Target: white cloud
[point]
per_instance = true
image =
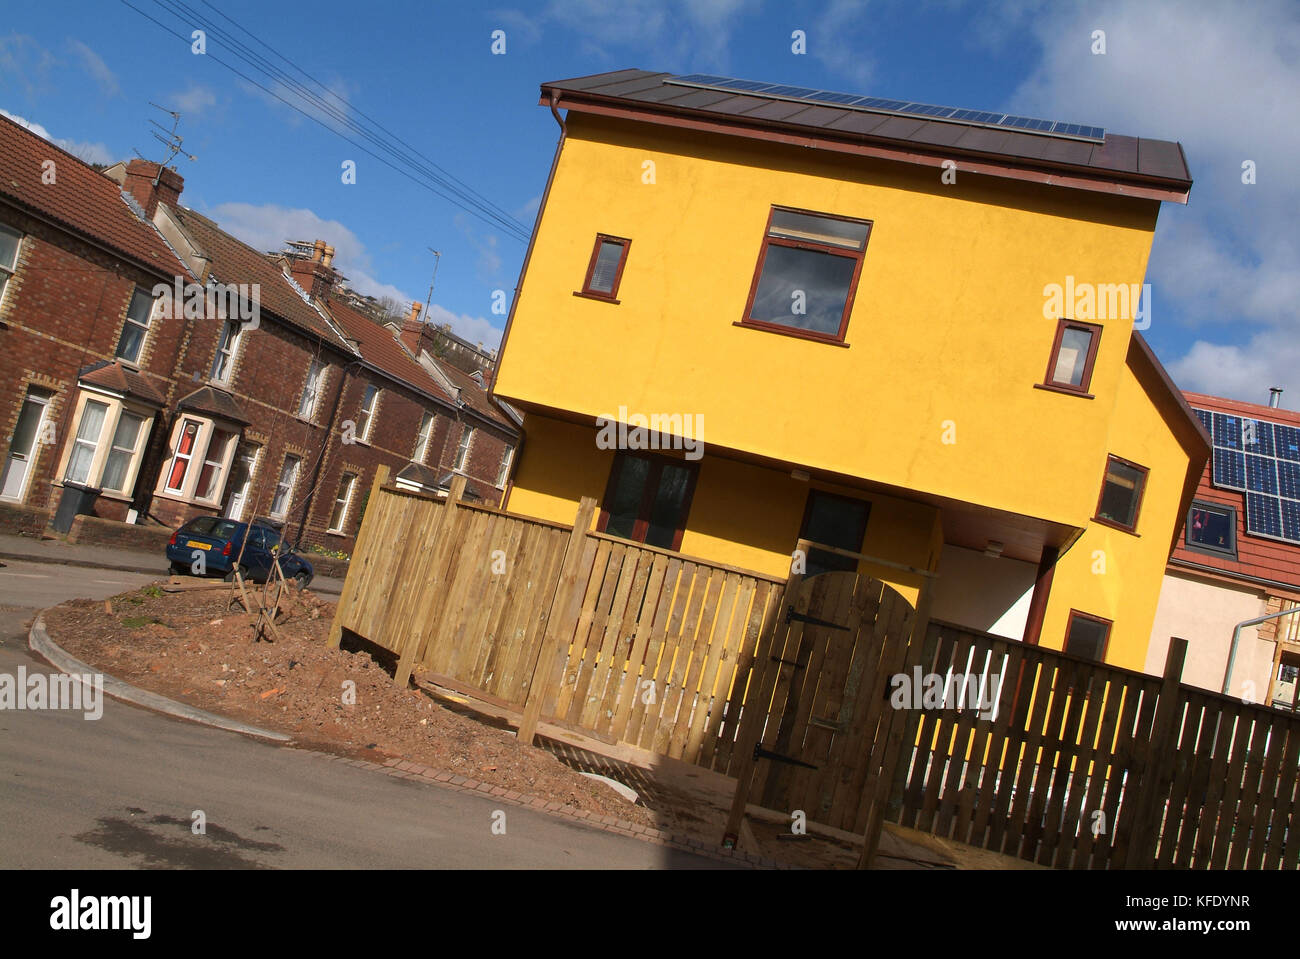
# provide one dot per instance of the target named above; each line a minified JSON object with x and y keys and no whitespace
{"x":1221,"y":80}
{"x":838,"y":41}
{"x":475,"y":329}
{"x":97,"y":68}
{"x":82,"y":149}
{"x":193,"y":101}
{"x":27,"y":64}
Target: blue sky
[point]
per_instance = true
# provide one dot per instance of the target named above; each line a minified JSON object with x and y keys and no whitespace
{"x":1222,"y":79}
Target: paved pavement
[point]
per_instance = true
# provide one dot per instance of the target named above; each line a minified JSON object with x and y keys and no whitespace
{"x":122,"y":791}
{"x":54,"y":551}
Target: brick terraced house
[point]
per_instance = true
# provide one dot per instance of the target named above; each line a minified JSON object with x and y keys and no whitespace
{"x":175,"y":409}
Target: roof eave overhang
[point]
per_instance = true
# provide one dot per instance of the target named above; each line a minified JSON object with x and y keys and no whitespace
{"x":968,"y":162}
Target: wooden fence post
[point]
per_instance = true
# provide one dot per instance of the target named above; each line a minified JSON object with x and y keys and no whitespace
{"x":1157,"y":772}
{"x":407,"y":662}
{"x":351,"y":582}
{"x":565,"y":606}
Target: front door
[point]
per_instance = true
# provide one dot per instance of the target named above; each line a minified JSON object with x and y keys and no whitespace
{"x":241,"y":480}
{"x":23,"y":446}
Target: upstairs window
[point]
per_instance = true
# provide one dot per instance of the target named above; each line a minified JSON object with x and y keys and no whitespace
{"x":135,"y":328}
{"x":9,"y":242}
{"x":462,"y":448}
{"x":1073,"y":353}
{"x":227,"y":346}
{"x":1121,"y":494}
{"x":605,"y":270}
{"x":367,"y":417}
{"x":1087,"y":636}
{"x":1212,"y":528}
{"x":807,"y":274}
{"x":423,"y":437}
{"x":312,"y":390}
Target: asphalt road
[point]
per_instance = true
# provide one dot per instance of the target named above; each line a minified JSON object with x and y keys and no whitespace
{"x":122,"y":791}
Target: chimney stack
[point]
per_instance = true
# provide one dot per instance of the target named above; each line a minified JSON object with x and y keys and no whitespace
{"x":414,"y":319}
{"x":151,"y":183}
{"x":316,"y":276}
{"x":1274,"y":396}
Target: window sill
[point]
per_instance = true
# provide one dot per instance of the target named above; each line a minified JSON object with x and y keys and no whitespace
{"x":1131,"y":530}
{"x":596,"y":296}
{"x":1052,"y":388}
{"x":791,"y":331}
{"x":303,"y":419}
{"x":1210,"y":551}
{"x":336,"y":532}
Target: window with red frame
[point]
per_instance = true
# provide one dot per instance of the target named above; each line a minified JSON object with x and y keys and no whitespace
{"x":605,"y":270}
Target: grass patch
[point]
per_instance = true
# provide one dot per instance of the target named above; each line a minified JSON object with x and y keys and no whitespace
{"x":135,"y":622}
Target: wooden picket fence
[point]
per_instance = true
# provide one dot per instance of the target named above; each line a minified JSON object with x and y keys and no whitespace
{"x":624,"y":642}
{"x":1085,"y":765}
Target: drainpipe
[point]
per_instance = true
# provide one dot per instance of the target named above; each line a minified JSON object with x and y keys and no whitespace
{"x":1236,"y":638}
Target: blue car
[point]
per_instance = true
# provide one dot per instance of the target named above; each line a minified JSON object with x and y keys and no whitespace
{"x":215,"y":543}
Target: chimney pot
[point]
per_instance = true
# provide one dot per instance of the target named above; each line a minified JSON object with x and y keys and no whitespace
{"x":318,"y":250}
{"x":1274,"y":396}
{"x":328,"y":257}
{"x":415,"y":313}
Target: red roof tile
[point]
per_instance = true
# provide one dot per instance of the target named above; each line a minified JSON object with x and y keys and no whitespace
{"x":381,"y":350}
{"x":237,"y":262}
{"x":81,"y":199}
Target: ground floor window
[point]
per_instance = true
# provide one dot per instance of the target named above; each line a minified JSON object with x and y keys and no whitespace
{"x":339,"y":515}
{"x":284,"y":487}
{"x":1087,"y":636}
{"x":647,"y":499}
{"x":107,"y":444}
{"x":201,"y":454}
{"x":832,"y":520}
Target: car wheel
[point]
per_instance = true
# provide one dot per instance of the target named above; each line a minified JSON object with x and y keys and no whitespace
{"x":243,"y":571}
{"x":180,"y":569}
{"x":301,"y":579}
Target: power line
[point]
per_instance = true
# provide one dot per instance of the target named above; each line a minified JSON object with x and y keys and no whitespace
{"x":455,"y":197}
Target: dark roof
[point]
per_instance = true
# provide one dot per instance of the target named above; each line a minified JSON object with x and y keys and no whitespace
{"x":236,"y":262}
{"x":379,"y":348}
{"x":419,"y":474}
{"x":208,"y":399}
{"x":81,"y":199}
{"x":1154,"y":168}
{"x":122,"y":380}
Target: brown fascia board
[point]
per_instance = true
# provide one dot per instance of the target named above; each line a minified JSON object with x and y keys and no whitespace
{"x":1172,"y":405}
{"x":1131,"y":185}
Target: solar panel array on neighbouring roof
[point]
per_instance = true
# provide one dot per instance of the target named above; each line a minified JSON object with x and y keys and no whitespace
{"x":849,"y":101}
{"x":1262,"y":460}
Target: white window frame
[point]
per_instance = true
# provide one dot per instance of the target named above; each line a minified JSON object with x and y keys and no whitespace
{"x":232,"y":334}
{"x":311,"y":391}
{"x":423,"y":438}
{"x":343,"y":503}
{"x":463,"y":446}
{"x":7,"y":270}
{"x":289,"y":486}
{"x":507,"y":460}
{"x":103,"y":442}
{"x":366,"y":418}
{"x":139,"y":293}
{"x":197,"y":458}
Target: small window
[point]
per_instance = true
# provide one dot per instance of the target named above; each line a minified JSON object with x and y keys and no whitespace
{"x":807,"y":274}
{"x":605,"y":271}
{"x":503,"y":471}
{"x":423,"y":437}
{"x":1121,"y":494}
{"x":182,"y":456}
{"x":647,"y":500}
{"x":462,"y":448}
{"x":9,"y":243}
{"x":135,"y":328}
{"x":837,"y":521}
{"x":366,"y":418}
{"x":228,"y":345}
{"x":339,"y":515}
{"x":1073,"y":353}
{"x":311,"y":391}
{"x":1212,"y":528}
{"x":284,"y":488}
{"x":1086,"y":636}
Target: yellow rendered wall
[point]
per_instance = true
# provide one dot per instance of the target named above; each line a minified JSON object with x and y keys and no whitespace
{"x":1111,"y":573}
{"x":740,"y":515}
{"x":947,"y":323}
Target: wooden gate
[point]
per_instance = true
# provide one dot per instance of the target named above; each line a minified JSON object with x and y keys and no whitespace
{"x":827,"y":737}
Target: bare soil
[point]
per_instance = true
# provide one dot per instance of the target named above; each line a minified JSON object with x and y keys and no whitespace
{"x":197,"y":647}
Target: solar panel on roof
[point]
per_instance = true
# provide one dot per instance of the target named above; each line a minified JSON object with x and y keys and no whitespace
{"x":1261,"y":459}
{"x":986,"y":118}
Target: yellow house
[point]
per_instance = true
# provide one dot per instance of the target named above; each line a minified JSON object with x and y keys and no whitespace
{"x":752,"y":313}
